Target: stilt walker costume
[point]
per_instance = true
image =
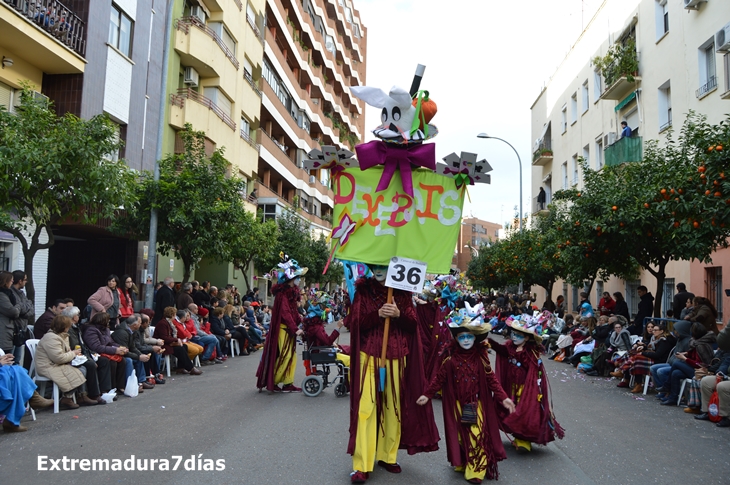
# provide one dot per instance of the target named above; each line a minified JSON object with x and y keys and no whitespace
{"x":522,"y":375}
{"x":279,"y":359}
{"x":466,"y":380}
{"x":383,"y":422}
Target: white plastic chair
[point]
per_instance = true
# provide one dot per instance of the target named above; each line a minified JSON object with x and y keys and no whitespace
{"x":234,"y":347}
{"x":681,"y":390}
{"x":32,"y":344}
{"x":647,"y":378}
{"x":166,"y":365}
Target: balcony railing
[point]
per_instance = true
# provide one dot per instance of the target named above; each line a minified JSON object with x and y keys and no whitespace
{"x":56,"y":19}
{"x":238,"y":4}
{"x":183,"y":94}
{"x":252,"y":23}
{"x":252,"y":83}
{"x":249,"y":139}
{"x":707,"y":87}
{"x":183,"y":24}
{"x":624,"y":150}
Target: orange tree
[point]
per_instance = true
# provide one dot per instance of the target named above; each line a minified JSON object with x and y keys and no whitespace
{"x":663,"y":208}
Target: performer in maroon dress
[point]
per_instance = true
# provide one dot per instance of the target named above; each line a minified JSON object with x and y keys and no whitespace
{"x":278,"y":364}
{"x":465,"y":377}
{"x":314,"y":332}
{"x":383,"y":422}
{"x":523,"y":377}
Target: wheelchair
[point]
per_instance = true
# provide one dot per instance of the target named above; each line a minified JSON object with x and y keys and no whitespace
{"x":324,"y":370}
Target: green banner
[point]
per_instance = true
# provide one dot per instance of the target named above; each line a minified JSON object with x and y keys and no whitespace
{"x":371,"y":227}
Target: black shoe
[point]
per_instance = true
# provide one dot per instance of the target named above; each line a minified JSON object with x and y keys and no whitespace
{"x":702,"y":417}
{"x":592,"y":373}
{"x":724,"y":423}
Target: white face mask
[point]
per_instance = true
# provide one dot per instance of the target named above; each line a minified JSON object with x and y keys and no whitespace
{"x":380,"y":274}
{"x":465,"y":340}
{"x":517,"y":338}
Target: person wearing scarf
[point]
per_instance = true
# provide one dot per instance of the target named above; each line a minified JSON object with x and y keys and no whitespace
{"x":383,"y":422}
{"x":466,"y":381}
{"x":278,"y":364}
{"x":522,"y":375}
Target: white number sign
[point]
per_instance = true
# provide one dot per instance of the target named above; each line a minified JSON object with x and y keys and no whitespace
{"x":406,"y":274}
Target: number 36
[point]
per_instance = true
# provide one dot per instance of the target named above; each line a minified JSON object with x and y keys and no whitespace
{"x":413,"y":276}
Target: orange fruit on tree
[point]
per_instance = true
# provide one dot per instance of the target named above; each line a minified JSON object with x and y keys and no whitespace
{"x":671,"y":191}
{"x":703,"y":177}
{"x":715,"y":183}
{"x":606,"y":251}
{"x":718,"y":194}
{"x":710,"y":148}
{"x":701,"y":169}
{"x":676,"y":224}
{"x":646,"y":205}
{"x":614,"y":208}
{"x":722,"y":175}
{"x":621,"y":224}
{"x":707,"y":192}
{"x":696,"y":224}
{"x":681,"y":191}
{"x":663,"y":191}
{"x":718,"y":148}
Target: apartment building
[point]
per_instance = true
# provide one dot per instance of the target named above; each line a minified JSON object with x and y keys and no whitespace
{"x":88,"y":58}
{"x":473,"y":234}
{"x":214,"y":83}
{"x":683,"y":53}
{"x":314,"y":51}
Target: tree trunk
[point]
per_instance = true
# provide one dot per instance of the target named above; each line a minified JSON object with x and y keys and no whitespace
{"x":660,"y":277}
{"x":29,"y":252}
{"x":28,"y":255}
{"x":187,"y":267}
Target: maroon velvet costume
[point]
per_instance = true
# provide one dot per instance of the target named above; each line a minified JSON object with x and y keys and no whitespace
{"x":418,"y":428}
{"x":284,"y":313}
{"x":317,"y":336}
{"x":533,"y":419}
{"x":466,"y":376}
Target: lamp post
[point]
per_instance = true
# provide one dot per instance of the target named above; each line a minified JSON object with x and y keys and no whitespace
{"x":519,"y":217}
{"x":474,"y":250}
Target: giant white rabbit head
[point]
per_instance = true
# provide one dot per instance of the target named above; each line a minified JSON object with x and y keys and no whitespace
{"x":397,"y":112}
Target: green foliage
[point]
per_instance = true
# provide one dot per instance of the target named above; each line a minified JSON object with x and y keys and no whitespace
{"x":620,"y":60}
{"x":254,"y":240}
{"x":199,"y":205}
{"x":54,"y":170}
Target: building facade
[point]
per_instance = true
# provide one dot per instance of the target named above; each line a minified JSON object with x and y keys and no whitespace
{"x":88,"y":58}
{"x":473,"y":234}
{"x":683,"y":65}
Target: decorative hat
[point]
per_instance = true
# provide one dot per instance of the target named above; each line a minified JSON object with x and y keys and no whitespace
{"x":288,"y":269}
{"x":459,"y":321}
{"x":318,"y":304}
{"x":527,"y":325}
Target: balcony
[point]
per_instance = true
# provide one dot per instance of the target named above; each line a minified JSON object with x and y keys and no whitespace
{"x":621,"y":88}
{"x":542,"y":156}
{"x":623,"y":151}
{"x":184,"y":24}
{"x":706,"y":88}
{"x":539,"y":208}
{"x":56,"y":19}
{"x":620,"y":69}
{"x":179,"y":100}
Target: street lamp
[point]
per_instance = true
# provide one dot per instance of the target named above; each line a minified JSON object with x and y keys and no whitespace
{"x":519,"y":217}
{"x":485,"y":136}
{"x":474,"y":250}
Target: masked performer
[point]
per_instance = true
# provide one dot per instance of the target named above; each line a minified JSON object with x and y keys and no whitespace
{"x":314,"y":331}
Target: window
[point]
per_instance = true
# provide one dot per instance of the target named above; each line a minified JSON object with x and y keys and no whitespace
{"x":564,"y":118}
{"x":575,"y":169}
{"x":599,"y":291}
{"x":574,"y":108}
{"x":584,"y":97}
{"x":269,"y":212}
{"x":665,"y":106}
{"x":726,"y":65}
{"x":245,"y":128}
{"x":348,"y":14}
{"x":120,"y":31}
{"x":632,"y":296}
{"x":662,"y":18}
{"x":219,"y":99}
{"x":224,"y":35}
{"x":587,"y":155}
{"x":713,"y":288}
{"x":597,"y":86}
{"x":9,"y":97}
{"x":668,"y":297}
{"x":564,"y":170}
{"x":708,"y":78}
{"x":599,"y":152}
{"x":304,"y":122}
{"x":250,"y":13}
{"x":329,"y":44}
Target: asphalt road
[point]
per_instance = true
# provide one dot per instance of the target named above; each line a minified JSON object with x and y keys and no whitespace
{"x":611,"y":438}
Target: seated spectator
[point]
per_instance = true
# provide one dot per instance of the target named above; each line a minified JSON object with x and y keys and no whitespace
{"x":128,"y":295}
{"x":698,"y":354}
{"x":53,"y":358}
{"x":134,"y":358}
{"x":619,"y":344}
{"x":704,"y":312}
{"x":709,"y":384}
{"x":98,"y":338}
{"x":199,"y":336}
{"x":218,"y":329}
{"x":98,"y":374}
{"x":689,"y":307}
{"x":148,"y":345}
{"x":237,"y":332}
{"x":642,"y":357}
{"x":660,"y":372}
{"x":607,"y":305}
{"x":43,"y":324}
{"x":194,"y":350}
{"x":167,"y":332}
{"x":718,"y":367}
{"x":17,"y":388}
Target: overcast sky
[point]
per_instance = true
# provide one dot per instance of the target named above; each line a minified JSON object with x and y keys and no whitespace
{"x":486,"y":62}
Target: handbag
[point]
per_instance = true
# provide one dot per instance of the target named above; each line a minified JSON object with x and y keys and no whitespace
{"x":701,"y":372}
{"x":713,"y":407}
{"x":19,"y":335}
{"x":115,"y":357}
{"x":469,"y":413}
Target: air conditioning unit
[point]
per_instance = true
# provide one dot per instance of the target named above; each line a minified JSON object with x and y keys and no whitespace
{"x":312,"y":180}
{"x":40,"y":96}
{"x":692,"y":4}
{"x":609,"y":139}
{"x":198,"y":12}
{"x":722,"y":39}
{"x":191,"y":76}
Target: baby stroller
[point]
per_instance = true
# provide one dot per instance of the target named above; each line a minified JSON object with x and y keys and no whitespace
{"x":319,"y":363}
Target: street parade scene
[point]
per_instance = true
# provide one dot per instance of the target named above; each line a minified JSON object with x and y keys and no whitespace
{"x":241,"y":243}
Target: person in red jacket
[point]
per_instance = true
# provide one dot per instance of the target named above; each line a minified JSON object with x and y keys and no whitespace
{"x":607,"y":304}
{"x":278,"y":364}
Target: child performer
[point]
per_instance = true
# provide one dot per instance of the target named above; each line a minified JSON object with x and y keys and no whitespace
{"x":521,"y":372}
{"x":467,"y":382}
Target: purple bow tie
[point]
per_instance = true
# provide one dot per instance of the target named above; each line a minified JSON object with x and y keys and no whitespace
{"x":392,"y":157}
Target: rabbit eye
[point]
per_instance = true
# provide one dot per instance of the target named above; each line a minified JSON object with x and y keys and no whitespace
{"x":384,"y":115}
{"x":396,"y":113}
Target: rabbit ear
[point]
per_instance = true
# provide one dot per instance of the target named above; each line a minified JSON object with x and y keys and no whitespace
{"x":373,"y":96}
{"x":400,"y":96}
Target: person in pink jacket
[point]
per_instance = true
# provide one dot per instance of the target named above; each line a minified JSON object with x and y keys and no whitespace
{"x":107,"y":299}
